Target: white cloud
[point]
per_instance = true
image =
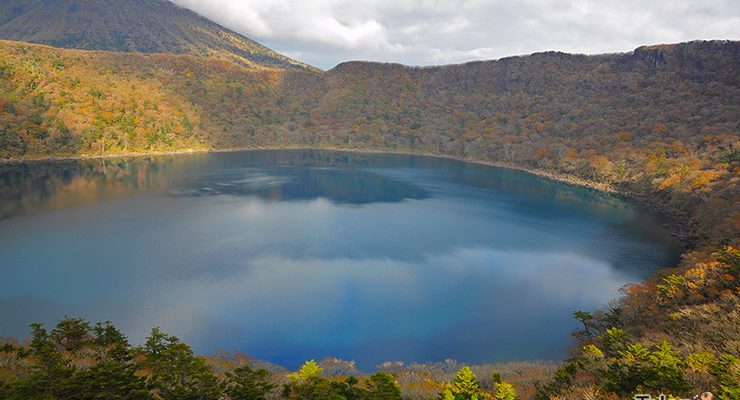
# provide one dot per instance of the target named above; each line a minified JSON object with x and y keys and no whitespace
{"x":420,"y":32}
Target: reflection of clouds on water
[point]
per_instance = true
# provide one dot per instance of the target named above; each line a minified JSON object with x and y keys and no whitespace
{"x":243,"y":181}
{"x":343,"y":186}
{"x":288,"y":309}
{"x":291,"y":255}
{"x":343,"y":303}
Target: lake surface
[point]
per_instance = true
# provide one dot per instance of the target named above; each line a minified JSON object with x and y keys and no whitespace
{"x":297,"y":254}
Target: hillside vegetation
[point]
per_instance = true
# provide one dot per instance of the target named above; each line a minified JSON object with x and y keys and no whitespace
{"x":148,"y":26}
{"x":77,"y":360}
{"x":660,"y":124}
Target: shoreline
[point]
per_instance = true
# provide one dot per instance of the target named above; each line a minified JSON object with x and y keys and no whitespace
{"x":564,"y":178}
{"x":682,"y":231}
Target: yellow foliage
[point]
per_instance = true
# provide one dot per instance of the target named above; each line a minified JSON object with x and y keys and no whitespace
{"x":670,"y":181}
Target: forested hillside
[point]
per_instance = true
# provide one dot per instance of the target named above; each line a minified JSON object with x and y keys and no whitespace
{"x":58,"y":102}
{"x":661,"y":124}
{"x":662,"y":120}
{"x":149,"y":26}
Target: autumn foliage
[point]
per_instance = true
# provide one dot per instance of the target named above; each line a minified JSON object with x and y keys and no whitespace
{"x":660,"y":124}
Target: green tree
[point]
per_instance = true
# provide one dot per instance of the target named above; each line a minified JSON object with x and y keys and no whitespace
{"x":585,"y":318}
{"x":562,"y":380}
{"x":310,"y":369}
{"x":464,"y":387}
{"x":248,"y":384}
{"x":54,"y":377}
{"x":382,"y":386}
{"x":106,"y":334}
{"x":111,"y":343}
{"x":50,"y":369}
{"x":641,"y":369}
{"x":615,"y":341}
{"x":502,"y":390}
{"x":665,"y":373}
{"x":71,"y":334}
{"x":727,"y":372}
{"x":308,"y":384}
{"x":174,"y":373}
{"x":110,"y":380}
{"x":349,"y":389}
{"x":114,"y":376}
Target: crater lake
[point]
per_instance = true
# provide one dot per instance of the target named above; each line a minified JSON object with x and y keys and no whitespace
{"x":291,"y":255}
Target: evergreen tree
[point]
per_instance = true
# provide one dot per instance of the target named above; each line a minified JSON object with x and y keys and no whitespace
{"x":464,"y":387}
{"x":727,"y":372}
{"x":71,"y":334}
{"x":175,"y":374}
{"x":349,"y":389}
{"x":109,"y":380}
{"x":50,"y":369}
{"x":114,"y":376}
{"x":308,"y":384}
{"x":248,"y":384}
{"x":502,"y":390}
{"x":382,"y":386}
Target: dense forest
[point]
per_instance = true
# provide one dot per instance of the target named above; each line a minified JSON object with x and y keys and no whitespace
{"x":659,"y":124}
{"x":76,"y":360}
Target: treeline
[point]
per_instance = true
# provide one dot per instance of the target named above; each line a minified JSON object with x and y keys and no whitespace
{"x":676,"y":334}
{"x":77,"y":361}
{"x":661,"y":122}
{"x":71,"y":102}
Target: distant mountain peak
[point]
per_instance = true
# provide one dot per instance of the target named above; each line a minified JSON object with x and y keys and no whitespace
{"x":148,"y":26}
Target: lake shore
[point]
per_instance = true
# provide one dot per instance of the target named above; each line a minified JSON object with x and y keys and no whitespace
{"x":678,"y":227}
{"x":565,"y":178}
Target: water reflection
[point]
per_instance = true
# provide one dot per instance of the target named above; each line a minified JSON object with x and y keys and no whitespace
{"x":344,"y":186}
{"x":292,"y":255}
{"x":273,"y":175}
{"x":378,"y":309}
{"x":38,"y":186}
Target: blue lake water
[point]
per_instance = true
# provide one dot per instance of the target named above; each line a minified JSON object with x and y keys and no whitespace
{"x":294,"y":255}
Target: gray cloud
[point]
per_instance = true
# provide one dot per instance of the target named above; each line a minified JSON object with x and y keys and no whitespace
{"x":424,"y":32}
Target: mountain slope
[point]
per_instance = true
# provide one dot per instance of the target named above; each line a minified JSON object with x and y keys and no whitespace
{"x":661,"y":123}
{"x":661,"y":119}
{"x":150,"y":26}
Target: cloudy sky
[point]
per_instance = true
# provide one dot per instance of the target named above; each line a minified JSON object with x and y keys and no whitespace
{"x":423,"y":32}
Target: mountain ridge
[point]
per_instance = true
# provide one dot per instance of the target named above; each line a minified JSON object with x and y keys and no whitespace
{"x":149,"y":26}
{"x":640,"y":51}
{"x":587,"y":116}
{"x":661,"y":122}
